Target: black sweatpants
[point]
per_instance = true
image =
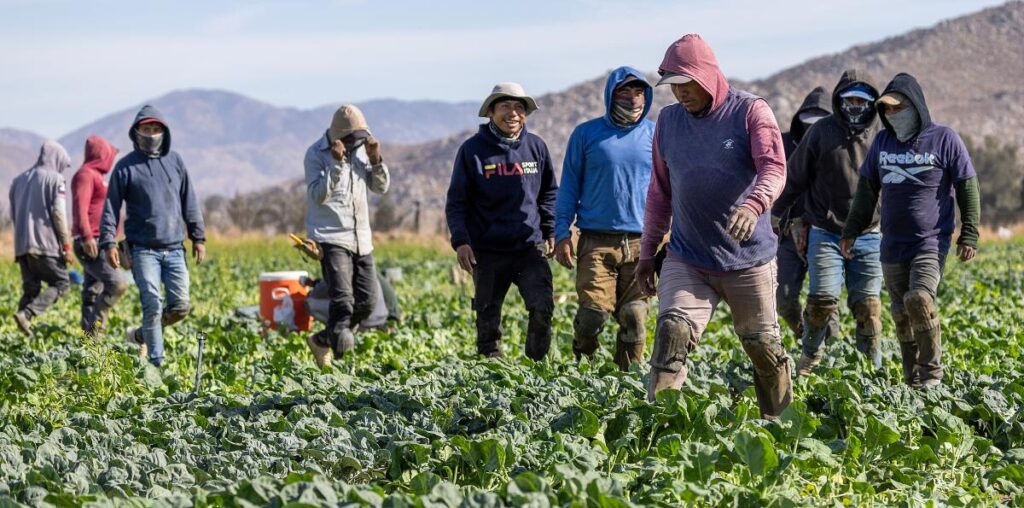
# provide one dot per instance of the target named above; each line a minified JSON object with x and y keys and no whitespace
{"x":35,"y":270}
{"x":494,"y":274}
{"x":350,"y":289}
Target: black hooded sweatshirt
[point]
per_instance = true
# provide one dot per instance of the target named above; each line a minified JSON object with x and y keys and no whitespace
{"x":161,"y":203}
{"x":823,"y":171}
{"x":818,"y":100}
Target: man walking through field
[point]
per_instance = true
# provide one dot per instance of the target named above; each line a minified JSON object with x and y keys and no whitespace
{"x":501,"y":214}
{"x":921,"y":169}
{"x":103,"y":284}
{"x":603,"y":190}
{"x":822,"y":172}
{"x":340,"y":167}
{"x":42,"y":243}
{"x":153,"y":185}
{"x":718,"y":166}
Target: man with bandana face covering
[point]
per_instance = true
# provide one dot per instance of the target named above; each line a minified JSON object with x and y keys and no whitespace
{"x":822,"y":172}
{"x":603,"y":190}
{"x":340,"y":167}
{"x":924,"y":169}
{"x":161,"y":208}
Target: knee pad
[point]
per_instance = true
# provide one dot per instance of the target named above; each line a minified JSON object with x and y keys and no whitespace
{"x":171,"y":316}
{"x":589,"y":322}
{"x":921,"y":308}
{"x":120,"y":289}
{"x":819,"y":310}
{"x":632,"y":318}
{"x":766,"y":352}
{"x":672,"y":343}
{"x":868,"y":314}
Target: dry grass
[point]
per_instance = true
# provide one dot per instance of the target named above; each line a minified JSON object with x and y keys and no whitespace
{"x":992,"y":234}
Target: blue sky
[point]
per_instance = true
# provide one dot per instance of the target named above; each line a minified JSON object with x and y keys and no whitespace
{"x":65,"y":63}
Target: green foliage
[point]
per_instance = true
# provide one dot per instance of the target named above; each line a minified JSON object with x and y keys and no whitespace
{"x":415,"y":419}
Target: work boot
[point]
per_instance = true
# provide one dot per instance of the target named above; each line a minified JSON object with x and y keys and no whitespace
{"x":868,"y":314}
{"x":930,"y":383}
{"x":24,"y":322}
{"x":133,"y":336}
{"x":806,"y":364}
{"x":321,"y":353}
{"x":908,"y":346}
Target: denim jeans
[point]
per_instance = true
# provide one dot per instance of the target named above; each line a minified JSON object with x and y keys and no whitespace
{"x":828,"y":270}
{"x":150,"y":268}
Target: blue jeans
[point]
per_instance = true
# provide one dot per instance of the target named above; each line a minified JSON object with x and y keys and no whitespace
{"x":828,"y":270}
{"x":150,"y":268}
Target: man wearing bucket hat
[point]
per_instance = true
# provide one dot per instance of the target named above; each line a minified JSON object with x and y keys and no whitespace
{"x":153,"y":184}
{"x":500,"y":211}
{"x":823,"y":174}
{"x":603,"y":189}
{"x":921,"y":169}
{"x":340,"y":167}
{"x":718,"y":164}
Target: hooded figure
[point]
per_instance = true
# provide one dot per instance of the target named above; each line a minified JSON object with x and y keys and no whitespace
{"x":823,"y":175}
{"x":42,"y":244}
{"x":341,"y":168}
{"x":102,"y":284}
{"x":925,"y":171}
{"x":153,"y":185}
{"x":718,"y":164}
{"x":603,"y":190}
{"x":792,"y":263}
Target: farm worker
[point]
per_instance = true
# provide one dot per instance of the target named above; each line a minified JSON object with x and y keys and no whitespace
{"x":921,"y":169}
{"x":718,"y":166}
{"x":161,"y":207}
{"x":103,"y":284}
{"x":823,"y":173}
{"x":603,"y":190}
{"x":340,"y":166}
{"x":791,"y":227}
{"x":42,"y":243}
{"x":501,"y":214}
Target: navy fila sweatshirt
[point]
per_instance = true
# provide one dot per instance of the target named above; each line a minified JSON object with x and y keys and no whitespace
{"x":501,"y":197}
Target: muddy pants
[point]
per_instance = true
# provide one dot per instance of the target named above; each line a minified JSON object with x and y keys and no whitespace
{"x":494,"y":274}
{"x":102,"y":287}
{"x":688,"y":298}
{"x":606,"y":263}
{"x":912,"y":285}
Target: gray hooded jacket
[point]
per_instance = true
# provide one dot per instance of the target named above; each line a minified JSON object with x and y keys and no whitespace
{"x":34,"y":195}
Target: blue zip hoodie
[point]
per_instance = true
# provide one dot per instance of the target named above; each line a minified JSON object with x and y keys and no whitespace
{"x":501,"y":197}
{"x":157,"y":193}
{"x":606,"y":170}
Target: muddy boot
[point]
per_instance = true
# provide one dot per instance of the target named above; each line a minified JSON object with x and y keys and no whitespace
{"x":673,"y":342}
{"x":924,"y":319}
{"x":632,"y":336}
{"x":818,"y":316}
{"x":321,"y":352}
{"x":772,"y":382}
{"x":587,"y":327}
{"x":868,"y":314}
{"x":908,"y":346}
{"x":24,"y":322}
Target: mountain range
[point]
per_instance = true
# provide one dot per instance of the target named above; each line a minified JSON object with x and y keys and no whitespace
{"x":971,"y":68}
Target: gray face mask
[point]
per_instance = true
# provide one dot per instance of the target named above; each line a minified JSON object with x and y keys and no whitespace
{"x":905,"y":123}
{"x":150,"y":145}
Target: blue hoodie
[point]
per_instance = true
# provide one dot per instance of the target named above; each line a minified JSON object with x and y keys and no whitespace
{"x":501,"y":197}
{"x":157,"y":193}
{"x":606,"y":170}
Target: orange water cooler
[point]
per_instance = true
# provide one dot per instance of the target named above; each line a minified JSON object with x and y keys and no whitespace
{"x":275,"y":288}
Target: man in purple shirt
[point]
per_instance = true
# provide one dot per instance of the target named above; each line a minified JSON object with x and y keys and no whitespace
{"x":922,"y":170}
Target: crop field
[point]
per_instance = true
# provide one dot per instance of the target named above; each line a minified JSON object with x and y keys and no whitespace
{"x":415,"y":419}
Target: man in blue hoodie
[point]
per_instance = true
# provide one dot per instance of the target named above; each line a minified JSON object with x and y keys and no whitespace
{"x":161,"y":206}
{"x":500,"y":211}
{"x":603,"y":190}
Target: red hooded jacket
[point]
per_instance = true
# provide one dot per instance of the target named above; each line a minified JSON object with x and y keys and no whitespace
{"x":89,"y":189}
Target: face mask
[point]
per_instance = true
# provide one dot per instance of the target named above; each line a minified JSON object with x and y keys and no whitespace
{"x":856,"y":114}
{"x":628,"y":111}
{"x":905,"y":123}
{"x":150,"y":144}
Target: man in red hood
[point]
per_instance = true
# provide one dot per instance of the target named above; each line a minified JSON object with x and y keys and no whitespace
{"x":103,"y":283}
{"x":718,"y":165}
